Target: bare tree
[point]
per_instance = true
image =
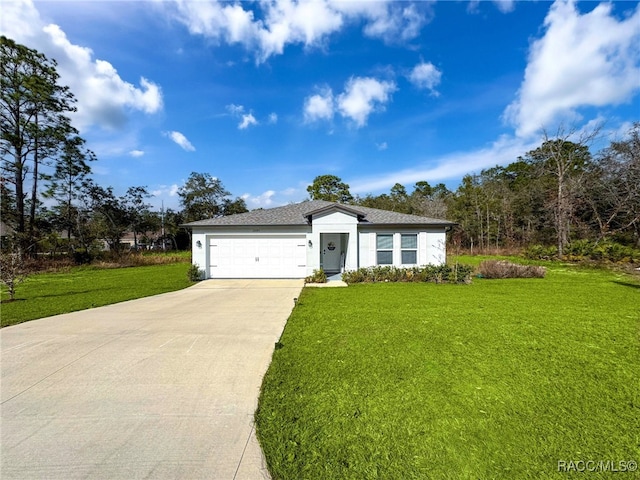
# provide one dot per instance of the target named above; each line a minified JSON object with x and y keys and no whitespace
{"x":564,"y":159}
{"x":613,"y":189}
{"x":12,"y":270}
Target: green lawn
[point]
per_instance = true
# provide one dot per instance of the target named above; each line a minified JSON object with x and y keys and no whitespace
{"x":501,"y":379}
{"x":48,"y":294}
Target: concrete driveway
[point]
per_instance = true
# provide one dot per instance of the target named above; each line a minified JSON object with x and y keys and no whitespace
{"x":161,"y":387}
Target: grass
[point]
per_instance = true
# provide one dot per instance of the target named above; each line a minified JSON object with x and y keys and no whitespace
{"x":46,"y":294}
{"x":500,"y":379}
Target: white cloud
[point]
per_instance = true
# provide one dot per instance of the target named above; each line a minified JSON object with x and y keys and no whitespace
{"x":397,"y":21}
{"x":425,"y":76}
{"x":288,"y":22}
{"x":270,"y":25}
{"x":247,"y":120}
{"x":180,"y":140}
{"x":505,"y":6}
{"x":104,"y":98}
{"x":382,"y":146}
{"x":170,"y":190}
{"x":589,"y":59}
{"x":273,"y":118}
{"x":260,"y":201}
{"x":235,"y":109}
{"x":502,"y":152}
{"x":221,"y":22}
{"x":362,"y":96}
{"x":319,"y":106}
{"x":167,"y":194}
{"x":136,"y":153}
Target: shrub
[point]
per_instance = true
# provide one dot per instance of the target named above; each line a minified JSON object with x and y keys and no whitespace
{"x":585,"y":250}
{"x":431,"y":273}
{"x":613,"y":252}
{"x":195,"y":273}
{"x":540,"y":252}
{"x":82,"y":256}
{"x":319,"y":276}
{"x":504,"y":269}
{"x":580,"y":248}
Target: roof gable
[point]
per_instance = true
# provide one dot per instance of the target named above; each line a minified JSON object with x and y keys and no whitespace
{"x":335,"y":207}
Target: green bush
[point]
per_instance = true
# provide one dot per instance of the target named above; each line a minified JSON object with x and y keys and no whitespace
{"x":431,"y":273}
{"x":82,"y":256}
{"x":195,"y":273}
{"x":601,"y":252}
{"x":614,"y":252}
{"x":586,"y":250}
{"x":319,"y":276}
{"x":580,"y":248}
{"x":540,"y":252}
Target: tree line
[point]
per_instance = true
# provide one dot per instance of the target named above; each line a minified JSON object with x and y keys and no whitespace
{"x":556,"y":194}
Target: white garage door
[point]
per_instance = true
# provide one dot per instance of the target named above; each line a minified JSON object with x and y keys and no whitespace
{"x":258,"y":257}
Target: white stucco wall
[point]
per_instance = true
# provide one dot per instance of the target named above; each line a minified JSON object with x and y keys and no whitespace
{"x":360,"y":249}
{"x":200,"y":254}
{"x":436,"y":247}
{"x":333,"y":222}
{"x":431,"y":246}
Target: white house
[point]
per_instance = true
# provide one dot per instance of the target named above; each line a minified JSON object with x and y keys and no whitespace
{"x":294,"y":240}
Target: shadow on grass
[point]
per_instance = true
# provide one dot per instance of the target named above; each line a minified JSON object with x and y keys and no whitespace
{"x":77,"y":292}
{"x":9,"y":300}
{"x":627,"y":284}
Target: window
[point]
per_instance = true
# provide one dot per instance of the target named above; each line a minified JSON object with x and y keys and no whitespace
{"x":409,"y":245}
{"x":384,"y":245}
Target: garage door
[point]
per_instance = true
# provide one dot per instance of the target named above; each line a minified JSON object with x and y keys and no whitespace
{"x":258,"y":257}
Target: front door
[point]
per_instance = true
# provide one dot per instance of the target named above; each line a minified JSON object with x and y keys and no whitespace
{"x":331,"y":248}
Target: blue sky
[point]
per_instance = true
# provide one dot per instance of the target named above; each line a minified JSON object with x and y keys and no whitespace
{"x":267,"y":95}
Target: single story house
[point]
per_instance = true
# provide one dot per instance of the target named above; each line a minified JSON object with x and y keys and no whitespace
{"x":294,"y":240}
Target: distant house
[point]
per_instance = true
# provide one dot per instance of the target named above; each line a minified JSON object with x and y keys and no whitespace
{"x":294,"y":240}
{"x":5,"y":232}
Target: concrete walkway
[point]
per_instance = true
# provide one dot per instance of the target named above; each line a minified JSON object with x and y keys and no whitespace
{"x":161,"y":387}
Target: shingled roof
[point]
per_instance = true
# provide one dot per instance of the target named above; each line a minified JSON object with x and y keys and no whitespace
{"x":297,"y":214}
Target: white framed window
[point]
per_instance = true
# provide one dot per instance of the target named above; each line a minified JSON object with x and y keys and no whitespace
{"x":409,"y":248}
{"x":384,"y":249}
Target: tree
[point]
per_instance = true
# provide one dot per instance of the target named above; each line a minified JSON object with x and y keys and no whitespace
{"x":613,"y":187}
{"x":137,"y":211}
{"x":400,"y":199}
{"x":12,"y":271}
{"x":467,"y":209}
{"x":203,"y":196}
{"x":34,"y":125}
{"x":7,"y":204}
{"x":177,"y":236}
{"x":330,"y":188}
{"x":109,"y":215}
{"x":71,"y":173}
{"x":429,"y":201}
{"x":238,"y":205}
{"x":565,"y":162}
